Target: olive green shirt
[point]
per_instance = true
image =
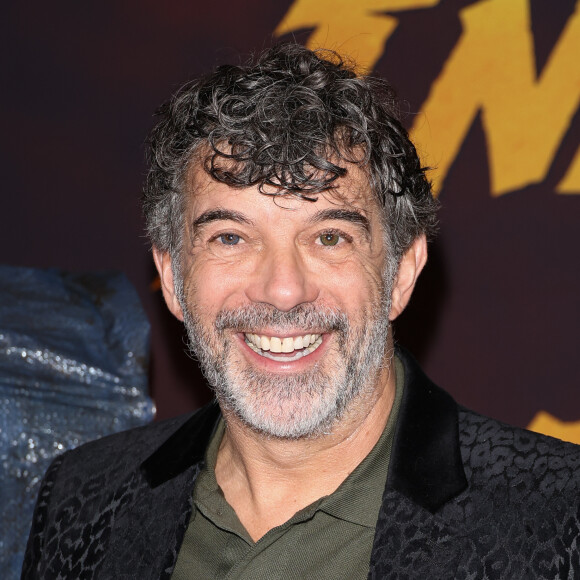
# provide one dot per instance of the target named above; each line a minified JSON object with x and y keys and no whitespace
{"x":331,"y":538}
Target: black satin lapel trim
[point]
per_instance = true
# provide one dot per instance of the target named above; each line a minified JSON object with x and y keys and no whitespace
{"x":426,"y":463}
{"x":183,"y":449}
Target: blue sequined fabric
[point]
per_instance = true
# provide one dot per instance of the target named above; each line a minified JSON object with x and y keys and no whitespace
{"x":73,"y":367}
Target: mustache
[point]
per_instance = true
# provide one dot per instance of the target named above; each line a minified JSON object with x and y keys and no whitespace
{"x":253,"y":316}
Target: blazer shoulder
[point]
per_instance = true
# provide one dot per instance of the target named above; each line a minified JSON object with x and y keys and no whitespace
{"x":491,"y":449}
{"x":85,"y":489}
{"x":110,"y":458}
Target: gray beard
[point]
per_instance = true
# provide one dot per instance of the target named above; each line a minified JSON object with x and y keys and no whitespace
{"x":301,"y":405}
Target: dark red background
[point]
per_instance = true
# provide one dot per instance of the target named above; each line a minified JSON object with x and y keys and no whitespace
{"x":495,"y":318}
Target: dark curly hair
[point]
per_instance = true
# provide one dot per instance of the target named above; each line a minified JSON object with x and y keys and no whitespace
{"x":284,"y":123}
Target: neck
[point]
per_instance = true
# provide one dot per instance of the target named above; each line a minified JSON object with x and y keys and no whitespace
{"x":268,"y":480}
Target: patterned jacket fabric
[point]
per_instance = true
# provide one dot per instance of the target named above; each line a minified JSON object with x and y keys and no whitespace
{"x":466,"y":497}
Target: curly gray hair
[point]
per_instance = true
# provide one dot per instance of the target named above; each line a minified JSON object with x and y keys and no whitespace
{"x":277,"y":123}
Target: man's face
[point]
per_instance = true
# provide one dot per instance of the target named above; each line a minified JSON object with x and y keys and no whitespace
{"x":286,"y":301}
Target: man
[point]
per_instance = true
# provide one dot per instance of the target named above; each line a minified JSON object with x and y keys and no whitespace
{"x":288,"y":213}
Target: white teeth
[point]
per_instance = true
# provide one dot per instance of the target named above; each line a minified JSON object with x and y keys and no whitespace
{"x":300,"y":345}
{"x":315,"y":344}
{"x":275,"y":344}
{"x":264,"y":343}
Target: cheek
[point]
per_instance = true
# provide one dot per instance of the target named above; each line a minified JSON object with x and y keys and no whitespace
{"x":375,"y":272}
{"x":356,"y":286}
{"x":211,"y":285}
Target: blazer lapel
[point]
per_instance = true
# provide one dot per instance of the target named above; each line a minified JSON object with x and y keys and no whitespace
{"x":426,"y":472}
{"x":186,"y":447}
{"x":147,"y":535}
{"x":426,"y":463}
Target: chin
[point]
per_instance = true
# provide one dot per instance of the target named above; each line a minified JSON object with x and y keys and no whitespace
{"x":285,"y":406}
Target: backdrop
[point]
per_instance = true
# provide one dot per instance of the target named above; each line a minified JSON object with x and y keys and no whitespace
{"x":491,"y":89}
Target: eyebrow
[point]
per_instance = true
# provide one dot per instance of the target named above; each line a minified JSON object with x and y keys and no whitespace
{"x":220,"y":214}
{"x":351,"y":216}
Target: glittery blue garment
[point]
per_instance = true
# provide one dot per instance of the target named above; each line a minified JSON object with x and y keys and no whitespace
{"x":73,"y":367}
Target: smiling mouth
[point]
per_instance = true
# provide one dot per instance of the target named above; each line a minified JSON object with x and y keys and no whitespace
{"x":288,"y":348}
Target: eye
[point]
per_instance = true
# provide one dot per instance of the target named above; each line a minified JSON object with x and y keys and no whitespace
{"x":329,"y":239}
{"x":229,"y":239}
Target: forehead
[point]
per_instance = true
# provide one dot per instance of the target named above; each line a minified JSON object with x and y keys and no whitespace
{"x":352,"y":191}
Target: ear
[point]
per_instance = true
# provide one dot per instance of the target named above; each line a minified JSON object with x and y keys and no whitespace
{"x":163,"y":264}
{"x":410,"y":267}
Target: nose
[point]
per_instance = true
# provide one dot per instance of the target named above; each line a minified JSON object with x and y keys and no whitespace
{"x":283,"y":280}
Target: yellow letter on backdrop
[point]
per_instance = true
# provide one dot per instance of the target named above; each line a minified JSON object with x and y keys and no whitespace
{"x":571,"y":181}
{"x":354,"y":28}
{"x":492,"y":70}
